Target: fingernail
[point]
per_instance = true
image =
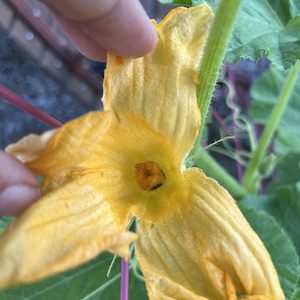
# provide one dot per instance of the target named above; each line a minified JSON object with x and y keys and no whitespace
{"x":16,"y":198}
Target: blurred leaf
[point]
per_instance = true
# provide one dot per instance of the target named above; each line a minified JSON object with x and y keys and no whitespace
{"x":280,"y":247}
{"x":296,"y":296}
{"x":87,"y":282}
{"x":284,"y":205}
{"x":295,"y":7}
{"x":287,"y":171}
{"x":265,"y":92}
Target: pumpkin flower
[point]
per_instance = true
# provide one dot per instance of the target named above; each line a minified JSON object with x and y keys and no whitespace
{"x":105,"y":168}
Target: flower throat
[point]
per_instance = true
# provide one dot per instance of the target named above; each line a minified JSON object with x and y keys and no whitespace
{"x":149,"y":175}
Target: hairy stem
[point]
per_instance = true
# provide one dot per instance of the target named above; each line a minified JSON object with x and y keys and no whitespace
{"x":211,"y":63}
{"x":214,"y":52}
{"x":268,"y":132}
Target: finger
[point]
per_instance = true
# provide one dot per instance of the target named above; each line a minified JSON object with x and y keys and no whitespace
{"x":119,"y":26}
{"x":125,"y":30}
{"x":85,"y":45}
{"x":18,"y":186}
{"x":78,"y":10}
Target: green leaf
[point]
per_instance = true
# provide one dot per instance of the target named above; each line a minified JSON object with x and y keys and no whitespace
{"x":87,"y":282}
{"x":287,"y":171}
{"x":137,"y":290}
{"x":267,"y":27}
{"x":265,"y":92}
{"x":280,"y":247}
{"x":284,"y":205}
{"x":263,"y":27}
{"x":296,"y":296}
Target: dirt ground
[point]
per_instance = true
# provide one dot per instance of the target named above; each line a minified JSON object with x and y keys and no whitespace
{"x":22,"y":75}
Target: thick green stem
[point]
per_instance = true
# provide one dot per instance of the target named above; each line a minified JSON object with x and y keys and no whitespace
{"x":258,"y":154}
{"x":204,"y":161}
{"x":214,"y":52}
{"x":211,"y":63}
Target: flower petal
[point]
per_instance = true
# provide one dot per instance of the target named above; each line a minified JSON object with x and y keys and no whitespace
{"x":208,"y":247}
{"x":163,"y":288}
{"x":65,"y":228}
{"x":161,"y":86}
{"x":31,"y":146}
{"x":68,"y":148}
{"x":113,"y":151}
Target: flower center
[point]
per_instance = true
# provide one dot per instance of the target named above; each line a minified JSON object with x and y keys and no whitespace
{"x":149,"y":175}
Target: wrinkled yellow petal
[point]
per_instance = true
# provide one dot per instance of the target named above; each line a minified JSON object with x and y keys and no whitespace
{"x":208,"y":247}
{"x":130,"y":141}
{"x":71,"y":145}
{"x":163,"y":288}
{"x":256,"y":298}
{"x":80,"y":148}
{"x":65,"y":228}
{"x":162,"y":85}
{"x":31,"y":146}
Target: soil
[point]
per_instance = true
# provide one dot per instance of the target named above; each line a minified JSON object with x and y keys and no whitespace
{"x":21,"y":74}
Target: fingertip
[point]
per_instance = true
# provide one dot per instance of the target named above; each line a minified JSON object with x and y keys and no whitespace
{"x":18,"y":186}
{"x":125,"y":31}
{"x":93,"y":52}
{"x":150,"y":44}
{"x":16,"y":198}
{"x":148,"y":41}
{"x":84,"y":44}
{"x":140,"y":37}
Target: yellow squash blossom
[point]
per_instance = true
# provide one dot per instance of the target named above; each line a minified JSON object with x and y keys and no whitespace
{"x":106,"y":167}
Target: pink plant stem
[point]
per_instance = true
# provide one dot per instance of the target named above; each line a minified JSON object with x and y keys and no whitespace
{"x":14,"y":99}
{"x":236,"y":141}
{"x":124,"y":279}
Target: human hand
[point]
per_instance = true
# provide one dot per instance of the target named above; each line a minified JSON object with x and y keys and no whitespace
{"x":18,"y":186}
{"x":95,"y":27}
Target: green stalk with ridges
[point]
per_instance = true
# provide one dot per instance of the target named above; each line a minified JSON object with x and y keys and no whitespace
{"x":204,"y":161}
{"x":211,"y":64}
{"x":269,"y":130}
{"x":214,"y":53}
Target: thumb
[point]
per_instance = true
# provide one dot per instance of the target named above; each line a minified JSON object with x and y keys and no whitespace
{"x":96,"y":26}
{"x":18,"y":186}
